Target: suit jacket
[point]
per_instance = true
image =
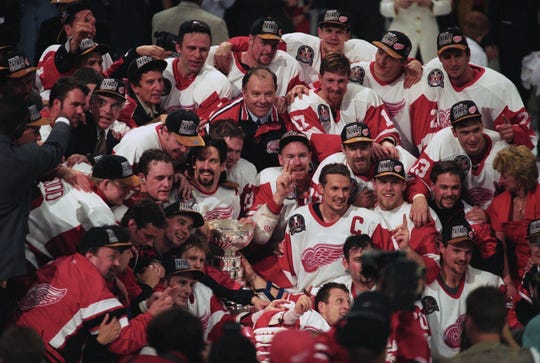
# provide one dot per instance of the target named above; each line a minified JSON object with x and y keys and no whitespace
{"x":22,"y":166}
{"x":169,"y":20}
{"x":83,"y":138}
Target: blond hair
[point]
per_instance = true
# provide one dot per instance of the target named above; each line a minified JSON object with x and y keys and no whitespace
{"x":519,"y":162}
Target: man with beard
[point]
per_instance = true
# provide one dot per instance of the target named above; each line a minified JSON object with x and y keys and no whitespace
{"x":323,"y":113}
{"x":262,"y":51}
{"x":443,"y":302}
{"x":58,"y":304}
{"x":208,"y":197}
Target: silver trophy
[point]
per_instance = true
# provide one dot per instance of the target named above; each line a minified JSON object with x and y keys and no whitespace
{"x":230,"y":235}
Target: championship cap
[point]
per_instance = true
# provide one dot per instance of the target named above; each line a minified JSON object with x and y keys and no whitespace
{"x":391,"y":167}
{"x":395,"y":44}
{"x":367,"y":325}
{"x":451,"y":38}
{"x":144,"y":64}
{"x":355,"y":132}
{"x":35,"y":117}
{"x":187,"y":208}
{"x":294,"y":346}
{"x":115,"y":167}
{"x":334,"y":17}
{"x":87,"y":46}
{"x":266,"y":28}
{"x":533,"y":231}
{"x":184,"y":124}
{"x":14,"y":65}
{"x":177,"y":266}
{"x":113,"y":236}
{"x":111,"y":87}
{"x":464,"y":110}
{"x":291,"y":136}
{"x":458,"y":231}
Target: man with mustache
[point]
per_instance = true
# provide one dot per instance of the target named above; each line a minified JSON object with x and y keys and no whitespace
{"x":443,"y":302}
{"x":323,"y":112}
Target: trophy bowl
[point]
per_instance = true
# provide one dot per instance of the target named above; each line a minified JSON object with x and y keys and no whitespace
{"x":230,"y":235}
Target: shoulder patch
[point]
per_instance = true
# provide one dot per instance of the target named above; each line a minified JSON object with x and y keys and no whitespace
{"x":429,"y":305}
{"x":464,"y":163}
{"x":436,"y":78}
{"x":323,"y":112}
{"x":305,"y":54}
{"x":357,"y":74}
{"x":296,"y":224}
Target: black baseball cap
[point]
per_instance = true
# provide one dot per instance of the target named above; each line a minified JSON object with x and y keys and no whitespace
{"x":396,"y":44}
{"x":266,"y":28}
{"x":87,"y":46}
{"x":115,"y":167}
{"x":184,"y":124}
{"x":291,"y":136}
{"x":457,"y":232}
{"x":391,"y":167}
{"x":451,"y":38}
{"x":533,"y":230}
{"x":177,"y":266}
{"x":334,"y":17}
{"x":35,"y":117}
{"x":187,"y":208}
{"x":14,"y":65}
{"x":355,"y":132}
{"x":111,"y":87}
{"x":144,"y":64}
{"x":464,"y":110}
{"x":113,"y":236}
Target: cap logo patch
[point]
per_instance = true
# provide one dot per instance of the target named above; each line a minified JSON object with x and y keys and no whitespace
{"x":187,"y":127}
{"x":460,"y":231}
{"x":472,"y":110}
{"x":270,"y":26}
{"x":17,"y":63}
{"x":445,"y":39}
{"x":534,"y":227}
{"x":126,"y":169}
{"x":112,"y":236}
{"x":34,"y":113}
{"x":460,"y":110}
{"x":109,"y":84}
{"x":343,"y":19}
{"x":86,"y":44}
{"x":457,"y":38}
{"x":141,"y":61}
{"x":181,"y":264}
{"x":333,"y":15}
{"x":385,"y":166}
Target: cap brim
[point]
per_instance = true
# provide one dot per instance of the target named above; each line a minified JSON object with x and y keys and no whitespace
{"x":357,"y":139}
{"x":39,"y":122}
{"x":198,"y":220}
{"x":109,"y":94}
{"x":118,"y":244}
{"x":269,"y":36}
{"x":22,"y":72}
{"x":389,"y":173}
{"x":334,"y":23}
{"x":159,"y":62}
{"x":101,"y":48}
{"x":290,"y":139}
{"x":133,"y":181}
{"x":392,"y":53}
{"x":455,"y":241}
{"x":197,"y":274}
{"x":533,"y":236}
{"x":450,"y":46}
{"x":465,"y":118}
{"x":189,"y":141}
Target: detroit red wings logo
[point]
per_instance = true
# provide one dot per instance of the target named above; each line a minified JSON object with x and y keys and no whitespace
{"x":394,"y":108}
{"x":218,"y":213}
{"x":452,"y":334}
{"x":41,"y":295}
{"x":480,"y":196}
{"x":444,"y":118}
{"x":320,"y":255}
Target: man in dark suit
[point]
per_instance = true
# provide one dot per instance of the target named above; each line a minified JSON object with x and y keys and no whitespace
{"x":22,"y":165}
{"x":102,"y":131}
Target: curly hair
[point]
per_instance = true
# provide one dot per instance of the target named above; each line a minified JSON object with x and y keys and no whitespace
{"x":519,"y":162}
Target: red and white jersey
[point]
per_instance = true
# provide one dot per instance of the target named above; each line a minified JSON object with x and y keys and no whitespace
{"x":207,"y":307}
{"x":271,"y":323}
{"x":47,"y":74}
{"x":416,"y":121}
{"x":68,"y":303}
{"x":137,"y":141}
{"x":364,"y":181}
{"x":495,"y":95}
{"x":306,"y":49}
{"x":421,"y":239}
{"x":271,"y":219}
{"x":409,"y":337}
{"x":59,"y":218}
{"x":312,"y":115}
{"x":286,"y":68}
{"x":242,"y":173}
{"x":200,"y":94}
{"x":479,"y":179}
{"x":445,"y":311}
{"x":223,"y":203}
{"x":313,"y":249}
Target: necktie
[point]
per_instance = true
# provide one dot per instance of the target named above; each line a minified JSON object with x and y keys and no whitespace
{"x":101,"y":145}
